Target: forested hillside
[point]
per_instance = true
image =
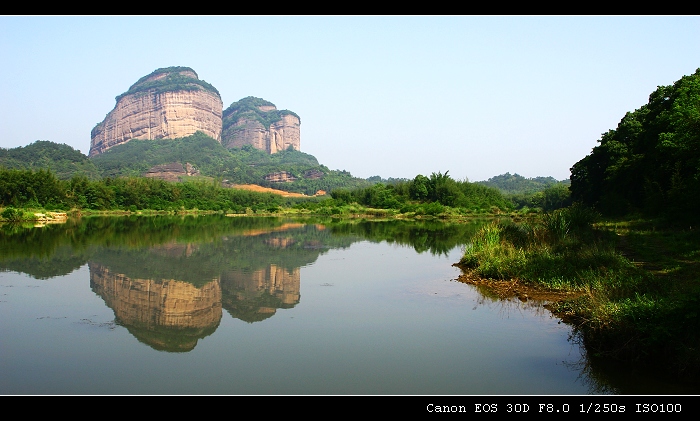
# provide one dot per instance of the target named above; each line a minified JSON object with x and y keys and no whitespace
{"x":62,"y":160}
{"x":651,"y":162}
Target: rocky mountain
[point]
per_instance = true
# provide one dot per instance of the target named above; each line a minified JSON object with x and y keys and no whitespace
{"x":174,"y":103}
{"x":166,"y":104}
{"x":167,"y":314}
{"x":257,"y":122}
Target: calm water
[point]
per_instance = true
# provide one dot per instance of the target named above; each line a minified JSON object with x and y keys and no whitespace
{"x":216,"y":305}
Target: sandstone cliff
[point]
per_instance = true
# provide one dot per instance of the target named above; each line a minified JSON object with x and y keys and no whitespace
{"x":257,"y":122}
{"x":169,"y":103}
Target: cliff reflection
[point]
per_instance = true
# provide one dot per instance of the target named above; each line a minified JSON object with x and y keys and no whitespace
{"x":171,"y":295}
{"x":256,"y":296}
{"x":168,"y":315}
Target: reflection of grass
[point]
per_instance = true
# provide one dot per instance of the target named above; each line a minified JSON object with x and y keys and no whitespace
{"x":639,"y":282}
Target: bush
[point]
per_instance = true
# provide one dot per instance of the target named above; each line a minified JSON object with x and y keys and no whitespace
{"x":12,"y":214}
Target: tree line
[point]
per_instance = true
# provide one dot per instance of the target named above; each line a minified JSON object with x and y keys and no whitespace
{"x":428,"y":195}
{"x":41,"y":189}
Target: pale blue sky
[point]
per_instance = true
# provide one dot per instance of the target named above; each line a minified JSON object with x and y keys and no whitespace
{"x":393,"y":96}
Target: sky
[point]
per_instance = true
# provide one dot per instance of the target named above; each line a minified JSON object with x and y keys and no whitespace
{"x":394,"y":96}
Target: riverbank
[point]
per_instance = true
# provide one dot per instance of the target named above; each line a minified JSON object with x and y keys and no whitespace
{"x":629,"y":288}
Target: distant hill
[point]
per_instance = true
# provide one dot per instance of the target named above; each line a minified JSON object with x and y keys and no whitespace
{"x":517,"y":184}
{"x":61,"y":159}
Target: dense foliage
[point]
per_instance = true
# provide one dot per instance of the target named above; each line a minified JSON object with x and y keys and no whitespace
{"x":651,"y":162}
{"x":120,"y":183}
{"x":249,"y":108}
{"x":61,"y":159}
{"x":28,"y":188}
{"x":41,"y":189}
{"x":138,"y":156}
{"x":310,"y":175}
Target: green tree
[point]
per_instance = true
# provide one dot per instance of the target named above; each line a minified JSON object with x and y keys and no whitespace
{"x":418,"y":189}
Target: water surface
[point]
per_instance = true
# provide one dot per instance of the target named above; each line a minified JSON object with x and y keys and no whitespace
{"x":216,"y":305}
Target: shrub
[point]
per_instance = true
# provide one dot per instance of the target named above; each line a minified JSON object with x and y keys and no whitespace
{"x":12,"y":214}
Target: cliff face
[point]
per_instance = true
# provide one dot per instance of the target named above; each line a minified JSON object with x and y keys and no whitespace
{"x":256,"y":122}
{"x":170,"y":103}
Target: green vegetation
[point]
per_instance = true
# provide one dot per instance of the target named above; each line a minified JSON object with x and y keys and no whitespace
{"x":516,"y":183}
{"x":134,"y":158}
{"x":62,"y":160}
{"x":246,"y":165}
{"x":42,"y":190}
{"x":218,"y":166}
{"x":625,"y":310}
{"x":32,"y":189}
{"x":437,"y":196}
{"x":434,"y":195}
{"x":650,"y":164}
{"x":254,"y":165}
{"x":546,"y":250}
{"x":248,"y":108}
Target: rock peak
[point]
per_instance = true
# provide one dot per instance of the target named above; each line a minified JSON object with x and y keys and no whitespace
{"x":258,"y":122}
{"x":169,"y":103}
{"x":172,"y":102}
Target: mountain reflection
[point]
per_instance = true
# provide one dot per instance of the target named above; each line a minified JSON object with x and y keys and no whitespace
{"x":256,"y":296}
{"x":171,"y":295}
{"x":167,"y":279}
{"x":168,"y":315}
